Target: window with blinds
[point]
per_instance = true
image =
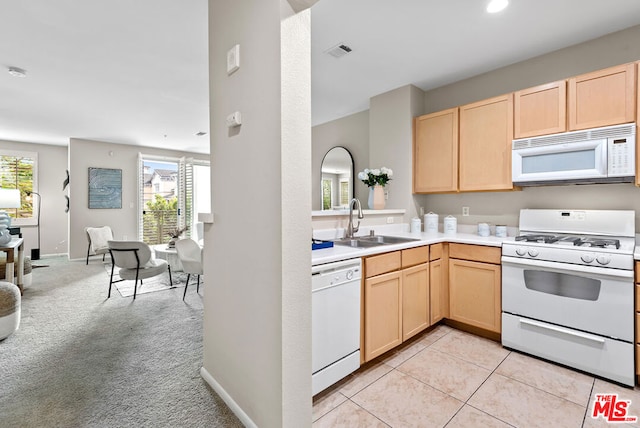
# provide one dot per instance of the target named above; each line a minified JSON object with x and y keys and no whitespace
{"x":18,"y":170}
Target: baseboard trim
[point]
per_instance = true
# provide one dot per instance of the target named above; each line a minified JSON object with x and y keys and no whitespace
{"x":235,"y":408}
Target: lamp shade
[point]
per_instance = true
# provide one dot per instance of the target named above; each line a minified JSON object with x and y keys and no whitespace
{"x":9,"y":198}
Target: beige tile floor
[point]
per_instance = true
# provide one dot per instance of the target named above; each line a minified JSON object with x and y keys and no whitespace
{"x":449,"y":378}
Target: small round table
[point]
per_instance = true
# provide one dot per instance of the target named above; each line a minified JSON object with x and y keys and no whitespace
{"x":169,"y":254}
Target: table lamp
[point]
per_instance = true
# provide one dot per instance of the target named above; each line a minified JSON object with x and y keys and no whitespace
{"x":9,"y":198}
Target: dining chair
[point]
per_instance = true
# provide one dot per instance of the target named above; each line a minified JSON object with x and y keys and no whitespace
{"x":98,"y":238}
{"x":135,"y":263}
{"x":190,"y":255}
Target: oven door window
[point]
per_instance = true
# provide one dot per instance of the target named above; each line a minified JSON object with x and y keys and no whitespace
{"x":562,"y":284}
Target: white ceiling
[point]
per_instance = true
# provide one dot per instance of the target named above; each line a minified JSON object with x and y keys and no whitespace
{"x":135,"y":71}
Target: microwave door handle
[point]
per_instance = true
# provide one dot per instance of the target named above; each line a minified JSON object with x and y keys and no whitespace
{"x":593,"y":270}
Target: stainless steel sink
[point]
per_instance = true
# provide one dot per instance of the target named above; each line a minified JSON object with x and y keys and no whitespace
{"x":372,"y":241}
{"x":382,"y":239}
{"x":357,"y":242}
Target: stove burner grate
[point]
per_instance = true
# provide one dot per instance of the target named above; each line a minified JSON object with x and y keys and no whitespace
{"x":542,"y":238}
{"x":600,"y":243}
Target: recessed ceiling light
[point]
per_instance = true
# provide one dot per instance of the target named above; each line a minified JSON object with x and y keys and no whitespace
{"x":496,"y":6}
{"x":17,"y":72}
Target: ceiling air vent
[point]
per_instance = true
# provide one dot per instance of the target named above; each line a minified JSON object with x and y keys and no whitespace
{"x":339,"y":50}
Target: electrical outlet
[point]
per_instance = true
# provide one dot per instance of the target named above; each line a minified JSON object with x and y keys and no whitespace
{"x":465,"y":211}
{"x":421,"y":211}
{"x":389,"y":220}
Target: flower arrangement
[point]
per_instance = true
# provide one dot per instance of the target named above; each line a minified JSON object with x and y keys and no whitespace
{"x":177,"y":231}
{"x":371,"y":177}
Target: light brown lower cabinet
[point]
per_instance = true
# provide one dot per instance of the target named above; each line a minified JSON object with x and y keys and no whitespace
{"x":474,"y":294}
{"x":415,"y":300}
{"x":382,"y":316}
{"x":396,"y":299}
{"x":438,"y":282}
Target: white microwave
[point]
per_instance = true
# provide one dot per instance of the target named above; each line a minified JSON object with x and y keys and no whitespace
{"x":598,"y":155}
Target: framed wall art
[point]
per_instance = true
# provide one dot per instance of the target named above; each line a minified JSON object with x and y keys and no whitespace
{"x":105,"y":188}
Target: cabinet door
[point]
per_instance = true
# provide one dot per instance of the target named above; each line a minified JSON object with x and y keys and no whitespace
{"x":435,"y":152}
{"x":540,"y":110}
{"x":438,"y":296}
{"x":637,"y":122}
{"x":486,"y":133}
{"x":474,"y":294}
{"x":415,"y":300}
{"x":602,"y":98}
{"x":382,"y":314}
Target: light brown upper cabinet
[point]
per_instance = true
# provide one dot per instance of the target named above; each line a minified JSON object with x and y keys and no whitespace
{"x":637,"y":122}
{"x":486,"y":132}
{"x":540,"y":110}
{"x":602,"y":98}
{"x":435,"y":152}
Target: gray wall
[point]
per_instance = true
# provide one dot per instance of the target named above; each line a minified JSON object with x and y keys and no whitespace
{"x":52,"y":163}
{"x":390,"y":143}
{"x":124,"y":221}
{"x":350,"y":132}
{"x":503,"y":207}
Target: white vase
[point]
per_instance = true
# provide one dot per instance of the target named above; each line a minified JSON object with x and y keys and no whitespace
{"x":376,"y":197}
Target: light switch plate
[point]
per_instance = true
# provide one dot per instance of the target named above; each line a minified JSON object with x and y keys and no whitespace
{"x":233,"y":59}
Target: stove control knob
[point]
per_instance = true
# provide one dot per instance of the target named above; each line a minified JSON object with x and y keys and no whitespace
{"x":521,"y":251}
{"x":603,"y":260}
{"x":588,"y":258}
{"x":533,"y":252}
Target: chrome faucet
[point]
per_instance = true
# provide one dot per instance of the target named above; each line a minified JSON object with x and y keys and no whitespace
{"x":351,"y":229}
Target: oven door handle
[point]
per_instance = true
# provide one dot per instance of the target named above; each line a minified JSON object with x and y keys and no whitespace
{"x":530,"y":263}
{"x":568,"y":332}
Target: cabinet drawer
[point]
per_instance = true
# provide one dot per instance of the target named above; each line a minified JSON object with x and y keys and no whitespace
{"x":435,"y":252}
{"x":383,"y":263}
{"x":637,"y":360}
{"x":638,"y":272}
{"x":477,"y":253}
{"x":638,"y":301}
{"x":415,"y":256}
{"x":637,"y":327}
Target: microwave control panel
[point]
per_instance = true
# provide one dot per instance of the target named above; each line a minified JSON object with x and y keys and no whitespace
{"x":621,"y":157}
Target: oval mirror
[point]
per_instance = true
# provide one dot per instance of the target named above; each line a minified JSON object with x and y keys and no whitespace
{"x":337,"y":179}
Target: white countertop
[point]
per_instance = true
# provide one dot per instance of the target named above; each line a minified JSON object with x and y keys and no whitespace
{"x":340,"y":252}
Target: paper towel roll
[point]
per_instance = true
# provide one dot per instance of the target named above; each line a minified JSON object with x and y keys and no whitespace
{"x":431,"y":222}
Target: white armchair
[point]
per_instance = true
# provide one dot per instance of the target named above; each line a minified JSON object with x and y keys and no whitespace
{"x":135,"y":263}
{"x":190,"y":255}
{"x":98,"y":238}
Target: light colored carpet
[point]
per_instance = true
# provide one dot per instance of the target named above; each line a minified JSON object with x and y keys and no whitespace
{"x":149,"y":285}
{"x":82,"y":360}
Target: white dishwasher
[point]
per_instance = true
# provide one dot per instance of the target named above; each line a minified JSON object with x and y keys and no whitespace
{"x":335,"y":329}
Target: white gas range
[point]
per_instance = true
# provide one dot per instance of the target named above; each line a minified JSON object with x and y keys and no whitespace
{"x":568,"y":290}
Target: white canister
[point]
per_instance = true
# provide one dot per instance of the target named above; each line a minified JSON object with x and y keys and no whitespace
{"x":483,"y":229}
{"x":416,"y":226}
{"x":501,"y":231}
{"x":431,"y":222}
{"x":450,"y":225}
